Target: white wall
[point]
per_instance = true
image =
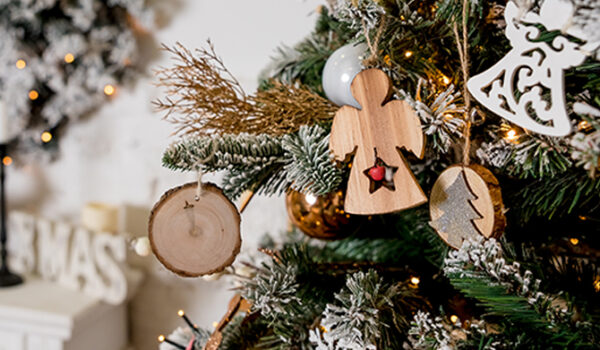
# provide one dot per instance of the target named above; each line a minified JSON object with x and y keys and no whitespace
{"x":114,"y":156}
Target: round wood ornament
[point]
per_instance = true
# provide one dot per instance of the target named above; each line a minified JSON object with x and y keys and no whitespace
{"x":194,"y":236}
{"x":466,"y":202}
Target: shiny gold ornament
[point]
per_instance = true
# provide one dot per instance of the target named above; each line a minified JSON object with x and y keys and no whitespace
{"x":321,"y":217}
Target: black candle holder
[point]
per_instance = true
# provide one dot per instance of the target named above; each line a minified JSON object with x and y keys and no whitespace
{"x":7,"y":278}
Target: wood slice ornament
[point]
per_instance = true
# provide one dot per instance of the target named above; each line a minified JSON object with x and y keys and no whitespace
{"x":380,"y":180}
{"x":195,"y":235}
{"x":465,"y":203}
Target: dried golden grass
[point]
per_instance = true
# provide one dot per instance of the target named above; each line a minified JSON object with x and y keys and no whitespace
{"x":203,"y":98}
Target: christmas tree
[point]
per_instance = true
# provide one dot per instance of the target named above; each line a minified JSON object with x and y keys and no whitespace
{"x":459,"y":214}
{"x":527,"y":278}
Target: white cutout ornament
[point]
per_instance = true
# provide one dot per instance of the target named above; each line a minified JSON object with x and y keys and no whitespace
{"x":532,"y":68}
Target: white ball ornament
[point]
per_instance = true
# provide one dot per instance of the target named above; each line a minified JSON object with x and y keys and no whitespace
{"x":142,"y":246}
{"x":341,"y":68}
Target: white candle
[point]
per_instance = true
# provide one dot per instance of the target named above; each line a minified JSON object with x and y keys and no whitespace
{"x":100,"y":217}
{"x":4,"y":124}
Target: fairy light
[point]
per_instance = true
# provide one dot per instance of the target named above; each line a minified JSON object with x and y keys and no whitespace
{"x":21,"y":64}
{"x":597,"y":284}
{"x":69,"y":58}
{"x":453,"y":319}
{"x":33,"y":95}
{"x":511,"y":135}
{"x":181,"y":314}
{"x":387,"y":59}
{"x":574,"y":241}
{"x":407,"y":54}
{"x":46,"y":137}
{"x":583,"y":125}
{"x":582,"y":218}
{"x":445,"y":79}
{"x":215,"y":324}
{"x":7,"y":160}
{"x":162,"y":339}
{"x":415,"y":280}
{"x":310,"y":198}
{"x":109,"y":90}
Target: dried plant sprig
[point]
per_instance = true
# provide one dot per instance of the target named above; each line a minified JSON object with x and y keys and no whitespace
{"x":203,"y":98}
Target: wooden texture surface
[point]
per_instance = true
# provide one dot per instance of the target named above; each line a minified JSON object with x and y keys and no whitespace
{"x":488,"y":203}
{"x":236,"y":304}
{"x":378,"y":130}
{"x":194,"y":238}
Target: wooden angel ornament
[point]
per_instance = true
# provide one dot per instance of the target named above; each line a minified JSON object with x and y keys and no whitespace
{"x":380,"y":180}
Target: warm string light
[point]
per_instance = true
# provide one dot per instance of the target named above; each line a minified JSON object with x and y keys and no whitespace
{"x":574,"y":241}
{"x":311,"y":199}
{"x":21,"y":64}
{"x":414,"y":280}
{"x":182,"y":314}
{"x":33,"y":95}
{"x":584,"y":125}
{"x":446,"y":80}
{"x":597,"y":284}
{"x":453,"y":319}
{"x":109,"y":90}
{"x":387,"y":60}
{"x":46,"y":137}
{"x":69,"y":58}
{"x":162,"y":339}
{"x":7,"y":160}
{"x":407,"y":54}
{"x":511,"y":135}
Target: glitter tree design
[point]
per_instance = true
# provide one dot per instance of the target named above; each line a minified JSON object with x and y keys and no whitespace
{"x":457,"y":222}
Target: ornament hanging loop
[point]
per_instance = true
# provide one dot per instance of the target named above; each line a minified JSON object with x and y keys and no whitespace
{"x":199,"y":187}
{"x":463,"y":52}
{"x":198,"y":166}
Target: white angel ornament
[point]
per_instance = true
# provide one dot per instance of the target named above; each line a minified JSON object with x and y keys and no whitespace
{"x":526,"y":87}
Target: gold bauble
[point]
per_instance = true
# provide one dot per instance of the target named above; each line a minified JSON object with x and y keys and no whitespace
{"x":320,"y":217}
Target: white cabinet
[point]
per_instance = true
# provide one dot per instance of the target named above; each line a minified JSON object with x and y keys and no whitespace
{"x":40,"y":315}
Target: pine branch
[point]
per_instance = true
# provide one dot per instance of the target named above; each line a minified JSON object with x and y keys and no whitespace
{"x":405,"y":238}
{"x":224,"y":152}
{"x":262,"y":163}
{"x":557,"y":196}
{"x":311,"y":168}
{"x":290,"y":296}
{"x":365,"y":312}
{"x":511,"y":297}
{"x":243,"y":332}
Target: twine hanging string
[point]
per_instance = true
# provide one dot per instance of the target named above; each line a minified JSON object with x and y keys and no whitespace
{"x":463,"y":52}
{"x":198,"y":166}
{"x":373,"y":45}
